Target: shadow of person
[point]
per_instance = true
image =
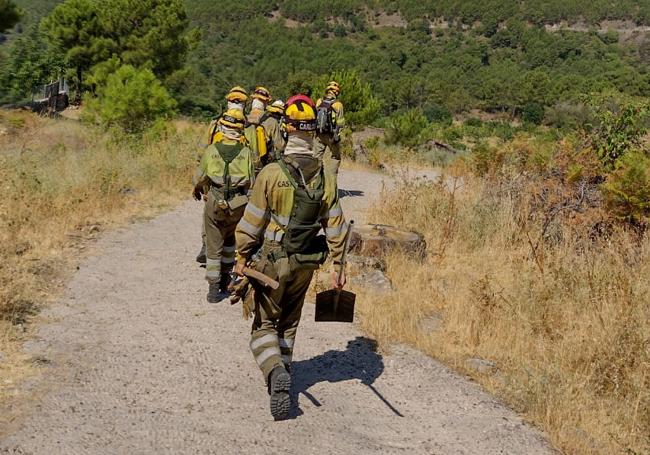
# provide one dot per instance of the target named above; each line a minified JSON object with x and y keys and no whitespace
{"x":350,"y":193}
{"x":359,"y":360}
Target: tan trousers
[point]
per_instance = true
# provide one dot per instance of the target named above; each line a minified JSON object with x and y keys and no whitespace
{"x":322,"y":143}
{"x":277,"y":313}
{"x":219,"y":225}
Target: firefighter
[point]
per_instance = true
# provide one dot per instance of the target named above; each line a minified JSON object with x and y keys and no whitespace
{"x":274,"y":130}
{"x":293,"y":198}
{"x":330,"y":121}
{"x":236,"y":99}
{"x":225,"y":175}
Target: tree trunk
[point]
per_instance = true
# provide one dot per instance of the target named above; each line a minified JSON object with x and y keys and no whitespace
{"x":77,"y":98}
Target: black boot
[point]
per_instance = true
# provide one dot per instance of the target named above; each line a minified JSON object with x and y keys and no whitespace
{"x":279,"y":385}
{"x":224,"y":283}
{"x":201,"y":258}
{"x":214,"y":293}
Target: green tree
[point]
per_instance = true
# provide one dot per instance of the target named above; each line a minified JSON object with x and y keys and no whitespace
{"x":627,"y":190}
{"x":152,"y":33}
{"x":9,"y":15}
{"x":74,"y":27}
{"x":620,"y":130}
{"x":358,"y":98}
{"x":407,"y":128}
{"x":31,"y":62}
{"x":132,"y":99}
{"x":533,"y":113}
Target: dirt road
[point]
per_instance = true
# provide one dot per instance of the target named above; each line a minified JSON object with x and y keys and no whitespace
{"x":136,"y":362}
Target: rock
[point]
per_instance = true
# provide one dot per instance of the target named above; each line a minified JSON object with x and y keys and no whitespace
{"x":481,"y":366}
{"x":374,"y":280}
{"x":2,"y":356}
{"x":431,"y":323}
{"x":360,"y":264}
{"x":128,"y":190}
{"x":375,"y":240}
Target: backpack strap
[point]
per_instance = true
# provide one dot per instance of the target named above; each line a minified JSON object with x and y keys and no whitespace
{"x":228,"y":155}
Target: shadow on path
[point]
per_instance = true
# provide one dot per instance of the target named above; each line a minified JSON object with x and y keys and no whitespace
{"x":359,"y":360}
{"x":350,"y":193}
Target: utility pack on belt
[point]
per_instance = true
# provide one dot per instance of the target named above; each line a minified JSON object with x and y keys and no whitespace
{"x":301,"y":242}
{"x":325,"y":117}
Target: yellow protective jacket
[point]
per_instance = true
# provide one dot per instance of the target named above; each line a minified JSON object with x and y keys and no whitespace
{"x":273,"y":133}
{"x":273,"y":192}
{"x":241,"y":170}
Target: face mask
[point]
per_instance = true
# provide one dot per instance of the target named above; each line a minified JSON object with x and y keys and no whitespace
{"x":238,"y":106}
{"x":230,"y":133}
{"x":257,"y":104}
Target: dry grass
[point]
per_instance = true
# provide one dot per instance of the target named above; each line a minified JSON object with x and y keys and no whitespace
{"x":567,"y":327}
{"x":61,"y":183}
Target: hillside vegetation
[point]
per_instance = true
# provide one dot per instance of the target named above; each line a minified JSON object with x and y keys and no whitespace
{"x":493,"y":56}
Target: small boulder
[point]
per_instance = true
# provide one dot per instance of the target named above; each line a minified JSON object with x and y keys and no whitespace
{"x":481,"y":366}
{"x":374,"y":280}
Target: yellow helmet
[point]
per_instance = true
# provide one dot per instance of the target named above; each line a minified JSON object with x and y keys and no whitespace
{"x":276,"y":108}
{"x":262,"y":94}
{"x":233,"y":118}
{"x":237,"y":94}
{"x":333,"y":87}
{"x":301,"y":113}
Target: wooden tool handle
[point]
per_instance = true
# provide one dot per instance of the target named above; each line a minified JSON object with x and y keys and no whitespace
{"x":346,"y":244}
{"x":259,"y":276}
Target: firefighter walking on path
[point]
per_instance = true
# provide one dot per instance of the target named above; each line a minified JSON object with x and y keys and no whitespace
{"x":236,"y":99}
{"x":291,"y":201}
{"x":329,"y":123}
{"x":274,"y":130}
{"x":225,"y":175}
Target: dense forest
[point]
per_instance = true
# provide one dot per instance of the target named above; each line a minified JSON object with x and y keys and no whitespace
{"x":443,"y":56}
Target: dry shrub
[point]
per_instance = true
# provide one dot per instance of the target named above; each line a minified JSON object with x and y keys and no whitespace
{"x":564,"y":315}
{"x":62,"y":182}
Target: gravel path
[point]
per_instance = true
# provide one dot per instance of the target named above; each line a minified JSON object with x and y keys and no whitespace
{"x":138,"y":363}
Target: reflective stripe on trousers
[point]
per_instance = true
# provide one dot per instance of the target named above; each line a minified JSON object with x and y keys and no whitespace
{"x":266,"y":351}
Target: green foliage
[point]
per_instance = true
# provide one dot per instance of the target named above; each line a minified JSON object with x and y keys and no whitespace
{"x":438,"y":114}
{"x":568,"y":115}
{"x":9,"y":15}
{"x":151,"y":33}
{"x":362,"y":107}
{"x":627,"y":191}
{"x":509,"y":63}
{"x":30,"y":62}
{"x":619,"y":131}
{"x":132,"y":99}
{"x":533,"y":113}
{"x":74,"y":27}
{"x":407,"y":128}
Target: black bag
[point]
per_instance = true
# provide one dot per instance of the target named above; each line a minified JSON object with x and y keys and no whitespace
{"x":325,"y":117}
